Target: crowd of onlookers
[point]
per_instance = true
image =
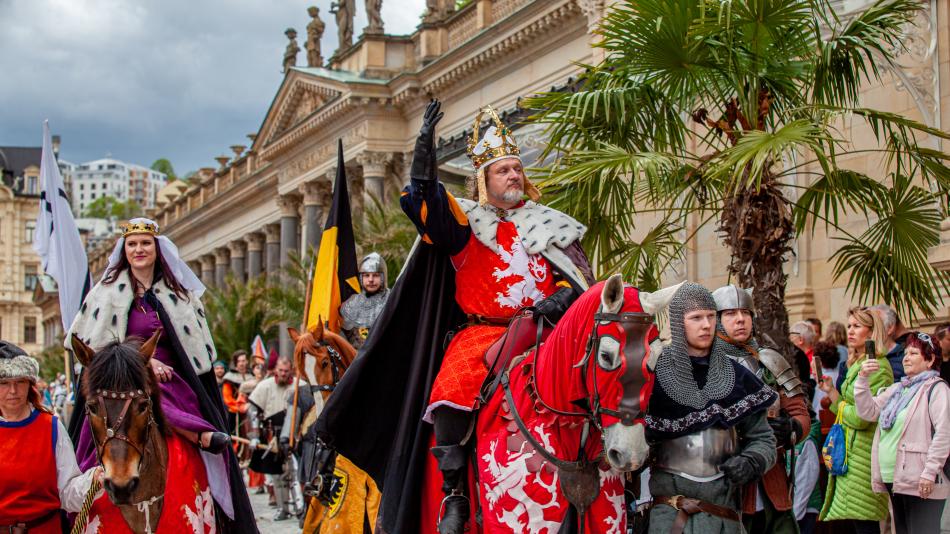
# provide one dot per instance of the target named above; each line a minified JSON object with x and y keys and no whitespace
{"x":894,"y":408}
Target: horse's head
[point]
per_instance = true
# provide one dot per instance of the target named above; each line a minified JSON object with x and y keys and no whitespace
{"x":321,"y":357}
{"x":122,"y":407}
{"x":616,"y":374}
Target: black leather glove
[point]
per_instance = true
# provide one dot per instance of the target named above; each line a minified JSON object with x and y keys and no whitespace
{"x":784,"y":428}
{"x":739,"y":470}
{"x":423,"y":157}
{"x":553,"y":307}
{"x":325,"y":486}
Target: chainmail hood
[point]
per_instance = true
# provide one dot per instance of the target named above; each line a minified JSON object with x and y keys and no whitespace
{"x":674,"y":368}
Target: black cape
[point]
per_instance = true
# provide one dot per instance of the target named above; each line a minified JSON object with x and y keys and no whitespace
{"x":374,"y":417}
{"x":213,"y":411}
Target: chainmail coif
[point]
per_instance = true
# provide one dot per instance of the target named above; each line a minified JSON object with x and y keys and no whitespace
{"x":674,"y":368}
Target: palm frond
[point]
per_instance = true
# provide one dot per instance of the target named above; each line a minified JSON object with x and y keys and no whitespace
{"x":852,"y":54}
{"x":889,"y":260}
{"x":836,"y":193}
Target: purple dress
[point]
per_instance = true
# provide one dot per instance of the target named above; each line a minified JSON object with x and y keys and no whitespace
{"x":179,"y":403}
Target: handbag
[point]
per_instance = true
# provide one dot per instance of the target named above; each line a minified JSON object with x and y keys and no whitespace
{"x":835,"y":450}
{"x":946,"y":465}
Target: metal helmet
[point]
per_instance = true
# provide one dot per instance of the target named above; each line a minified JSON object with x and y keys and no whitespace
{"x":732,"y":297}
{"x":373,"y":263}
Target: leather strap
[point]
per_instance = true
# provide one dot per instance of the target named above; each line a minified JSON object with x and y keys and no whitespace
{"x":25,"y":526}
{"x":686,"y":507}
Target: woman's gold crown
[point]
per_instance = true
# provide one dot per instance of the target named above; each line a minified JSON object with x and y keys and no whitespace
{"x":139,"y":227}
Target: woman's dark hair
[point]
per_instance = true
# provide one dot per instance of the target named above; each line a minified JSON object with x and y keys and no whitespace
{"x":928,"y":346}
{"x":162,"y":271}
{"x":827,"y":353}
{"x":237,"y":354}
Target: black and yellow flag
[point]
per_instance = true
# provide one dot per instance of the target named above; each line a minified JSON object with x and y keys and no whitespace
{"x":335,"y":276}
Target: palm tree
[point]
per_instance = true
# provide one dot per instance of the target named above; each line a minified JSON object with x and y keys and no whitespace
{"x":713,"y":109}
{"x":236,"y":313}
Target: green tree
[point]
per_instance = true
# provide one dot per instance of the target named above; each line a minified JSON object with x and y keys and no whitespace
{"x":236,"y":313}
{"x":107,"y":206}
{"x":735,"y":113}
{"x":164,"y":166}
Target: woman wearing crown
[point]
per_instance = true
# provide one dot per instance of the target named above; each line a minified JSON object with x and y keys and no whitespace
{"x":147,"y":287}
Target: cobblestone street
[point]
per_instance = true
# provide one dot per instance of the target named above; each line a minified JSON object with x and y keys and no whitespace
{"x":265,"y":516}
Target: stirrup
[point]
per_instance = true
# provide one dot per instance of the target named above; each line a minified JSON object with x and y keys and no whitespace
{"x":456,"y":493}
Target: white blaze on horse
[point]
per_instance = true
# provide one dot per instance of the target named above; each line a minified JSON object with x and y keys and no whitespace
{"x":565,"y":420}
{"x":137,"y":450}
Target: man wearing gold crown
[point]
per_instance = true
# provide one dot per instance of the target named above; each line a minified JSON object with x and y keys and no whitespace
{"x":480,"y":261}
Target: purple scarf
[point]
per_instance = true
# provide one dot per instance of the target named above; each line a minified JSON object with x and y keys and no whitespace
{"x":899,"y":401}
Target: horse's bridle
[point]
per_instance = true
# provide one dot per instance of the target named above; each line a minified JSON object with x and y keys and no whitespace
{"x":337,"y":367}
{"x":112,"y":431}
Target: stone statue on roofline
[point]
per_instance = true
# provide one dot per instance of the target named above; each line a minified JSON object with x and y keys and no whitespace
{"x":344,"y":10}
{"x":290,"y":53}
{"x":373,"y":14}
{"x":315,"y":30}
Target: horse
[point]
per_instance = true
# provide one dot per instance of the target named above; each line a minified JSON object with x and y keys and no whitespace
{"x":321,"y":358}
{"x":137,"y":449}
{"x":563,"y":422}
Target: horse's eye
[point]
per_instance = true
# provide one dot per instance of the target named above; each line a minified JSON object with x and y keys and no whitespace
{"x":608,"y":353}
{"x":141,"y":406}
{"x":325,"y":363}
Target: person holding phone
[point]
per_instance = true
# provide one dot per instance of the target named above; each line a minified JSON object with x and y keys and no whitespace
{"x":849,"y":496}
{"x":912,"y":441}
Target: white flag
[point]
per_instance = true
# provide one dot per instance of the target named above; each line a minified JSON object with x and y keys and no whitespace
{"x":57,"y":239}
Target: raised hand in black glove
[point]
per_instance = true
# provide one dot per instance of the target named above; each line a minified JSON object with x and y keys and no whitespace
{"x":786,"y":429}
{"x":553,"y":307}
{"x":423,"y":157}
{"x":325,"y":486}
{"x":739,"y":470}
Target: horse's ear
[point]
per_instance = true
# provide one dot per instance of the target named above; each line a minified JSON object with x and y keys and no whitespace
{"x":611,"y":298}
{"x":317,"y":329}
{"x":294,"y":334}
{"x":657,"y":301}
{"x":148,"y":348}
{"x":83,"y":352}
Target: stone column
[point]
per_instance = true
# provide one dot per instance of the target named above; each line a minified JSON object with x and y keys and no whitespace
{"x":289,"y":224}
{"x":221,"y":266}
{"x":255,"y":254}
{"x":354,"y":183}
{"x":405,"y":164}
{"x":272,"y":251}
{"x":238,"y":265}
{"x":207,"y":270}
{"x":375,"y":165}
{"x":314,"y":197}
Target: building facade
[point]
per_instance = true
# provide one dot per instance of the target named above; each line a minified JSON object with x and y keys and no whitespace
{"x":247,"y":214}
{"x":20,"y":319}
{"x":110,"y":177}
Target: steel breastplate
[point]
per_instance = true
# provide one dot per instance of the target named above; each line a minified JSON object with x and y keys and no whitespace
{"x":697,"y":456}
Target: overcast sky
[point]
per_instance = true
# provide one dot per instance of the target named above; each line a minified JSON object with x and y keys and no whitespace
{"x":144,"y":79}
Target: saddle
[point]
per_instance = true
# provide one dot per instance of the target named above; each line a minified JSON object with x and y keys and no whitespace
{"x":522,"y":335}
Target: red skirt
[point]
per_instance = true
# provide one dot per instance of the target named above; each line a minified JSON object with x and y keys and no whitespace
{"x":463,"y":369}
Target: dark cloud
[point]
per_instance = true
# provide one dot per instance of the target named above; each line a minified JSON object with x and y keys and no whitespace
{"x":181,"y":79}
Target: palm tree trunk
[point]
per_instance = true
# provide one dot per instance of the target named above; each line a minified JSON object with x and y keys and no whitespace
{"x":757,"y":225}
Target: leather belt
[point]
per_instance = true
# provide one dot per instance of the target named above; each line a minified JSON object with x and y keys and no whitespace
{"x":24,"y":527}
{"x":687,"y":507}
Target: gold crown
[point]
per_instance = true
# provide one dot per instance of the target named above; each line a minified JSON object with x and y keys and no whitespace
{"x":497,"y":143}
{"x":140,"y":227}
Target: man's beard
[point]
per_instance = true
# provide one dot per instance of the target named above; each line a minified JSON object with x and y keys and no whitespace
{"x":513,"y":194}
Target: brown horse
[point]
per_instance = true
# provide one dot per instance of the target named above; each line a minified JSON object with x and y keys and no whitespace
{"x":128,"y":428}
{"x":321,"y":357}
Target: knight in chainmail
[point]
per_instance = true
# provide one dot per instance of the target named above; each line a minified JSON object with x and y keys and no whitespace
{"x":360,"y":311}
{"x":706,"y":421}
{"x":767,"y":503}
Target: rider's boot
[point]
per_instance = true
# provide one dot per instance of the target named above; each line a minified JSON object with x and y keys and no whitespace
{"x":454,"y":512}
